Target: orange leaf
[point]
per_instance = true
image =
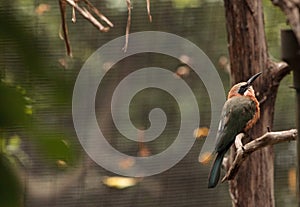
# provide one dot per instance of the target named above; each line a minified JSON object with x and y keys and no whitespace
{"x":42,"y":8}
{"x":126,"y":163}
{"x":119,"y":182}
{"x":144,"y":151}
{"x":201,"y":132}
{"x":292,"y":180}
{"x":205,"y":158}
{"x":182,"y":71}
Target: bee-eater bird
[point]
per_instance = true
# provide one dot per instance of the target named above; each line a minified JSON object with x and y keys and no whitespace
{"x":240,"y":112}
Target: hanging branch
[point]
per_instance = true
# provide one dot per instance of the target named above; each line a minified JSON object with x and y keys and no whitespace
{"x":74,"y":15}
{"x":128,"y":25}
{"x":86,"y":14}
{"x":98,"y":13}
{"x":243,"y":151}
{"x":62,"y":6}
{"x":148,"y":11}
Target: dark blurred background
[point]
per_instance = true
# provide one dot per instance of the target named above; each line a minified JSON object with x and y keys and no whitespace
{"x":41,"y":161}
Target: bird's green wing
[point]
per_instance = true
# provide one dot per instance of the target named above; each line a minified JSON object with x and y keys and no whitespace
{"x":237,"y":111}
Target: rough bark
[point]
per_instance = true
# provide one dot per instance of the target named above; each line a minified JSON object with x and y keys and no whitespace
{"x":243,"y":151}
{"x":253,"y":185}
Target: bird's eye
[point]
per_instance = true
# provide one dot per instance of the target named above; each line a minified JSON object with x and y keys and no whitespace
{"x":243,"y":89}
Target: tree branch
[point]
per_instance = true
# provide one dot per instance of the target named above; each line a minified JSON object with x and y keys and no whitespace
{"x":148,"y":10}
{"x":98,"y":13}
{"x":278,"y":70}
{"x":269,"y":138}
{"x":62,"y":6}
{"x":86,"y":14}
{"x":128,"y":25}
{"x":291,"y":10}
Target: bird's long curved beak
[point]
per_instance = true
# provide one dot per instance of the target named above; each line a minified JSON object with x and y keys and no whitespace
{"x":250,"y":81}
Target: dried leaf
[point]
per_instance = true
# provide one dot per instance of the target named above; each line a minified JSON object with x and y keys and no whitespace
{"x":61,"y":164}
{"x":42,"y":8}
{"x":119,"y":182}
{"x":144,"y":151}
{"x":205,"y":158}
{"x":224,"y":64}
{"x":292,"y":180}
{"x":201,"y":132}
{"x":126,"y":163}
{"x":63,"y":62}
{"x":182,"y":71}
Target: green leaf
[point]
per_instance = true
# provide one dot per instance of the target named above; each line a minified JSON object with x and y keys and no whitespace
{"x":10,"y":185}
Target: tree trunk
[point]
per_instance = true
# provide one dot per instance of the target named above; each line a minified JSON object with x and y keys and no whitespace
{"x":253,"y":185}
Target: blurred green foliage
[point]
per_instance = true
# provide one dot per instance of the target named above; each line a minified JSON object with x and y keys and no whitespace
{"x":14,"y":107}
{"x":27,"y":72}
{"x":10,"y":185}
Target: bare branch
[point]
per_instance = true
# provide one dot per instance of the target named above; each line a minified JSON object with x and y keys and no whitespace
{"x":278,"y":70}
{"x":74,"y":15}
{"x":98,"y":13}
{"x":128,"y":25}
{"x":62,"y":6}
{"x":87,"y":15}
{"x":148,"y":11}
{"x":269,"y":138}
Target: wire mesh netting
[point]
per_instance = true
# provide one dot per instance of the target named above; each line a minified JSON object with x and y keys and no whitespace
{"x":52,"y":168}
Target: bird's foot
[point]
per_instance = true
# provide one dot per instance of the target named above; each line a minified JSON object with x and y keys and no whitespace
{"x":238,"y":141}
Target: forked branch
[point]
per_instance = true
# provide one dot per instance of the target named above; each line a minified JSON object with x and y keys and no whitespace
{"x":87,"y":10}
{"x":86,"y":13}
{"x":269,"y":138}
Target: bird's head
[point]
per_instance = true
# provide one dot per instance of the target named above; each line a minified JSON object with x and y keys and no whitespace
{"x":243,"y":88}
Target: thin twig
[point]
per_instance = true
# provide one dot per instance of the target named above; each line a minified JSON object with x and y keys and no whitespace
{"x":148,"y":11}
{"x":73,"y":15}
{"x":98,"y":13}
{"x":62,"y":6}
{"x":87,"y":15}
{"x":269,"y":138}
{"x":127,"y":26}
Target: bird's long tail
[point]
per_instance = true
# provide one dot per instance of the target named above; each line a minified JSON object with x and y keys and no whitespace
{"x":215,"y":171}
